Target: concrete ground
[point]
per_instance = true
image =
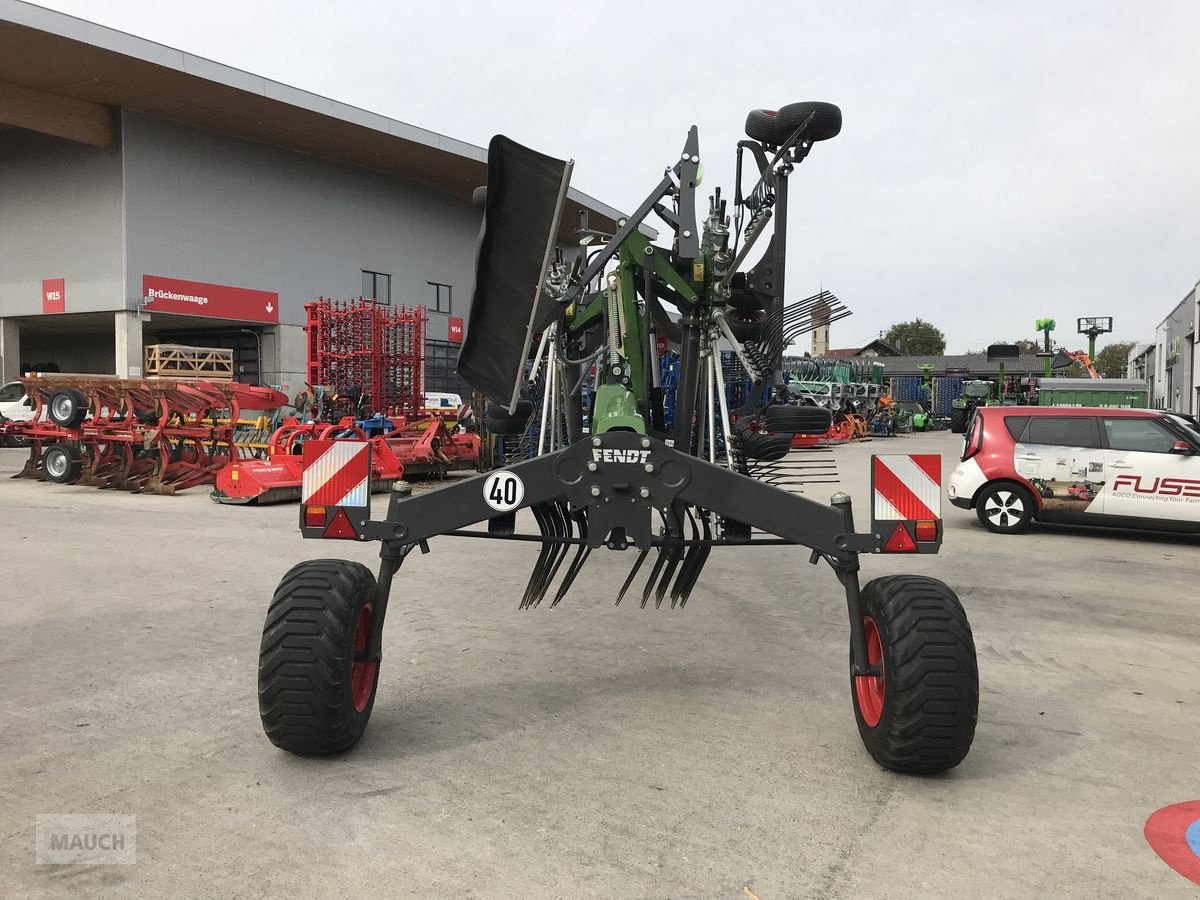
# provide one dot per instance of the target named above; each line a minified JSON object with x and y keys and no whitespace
{"x":585,"y":751}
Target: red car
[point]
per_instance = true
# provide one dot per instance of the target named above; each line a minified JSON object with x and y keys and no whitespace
{"x":1136,"y":468}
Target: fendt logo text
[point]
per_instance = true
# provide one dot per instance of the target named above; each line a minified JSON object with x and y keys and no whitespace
{"x":636,"y":457}
{"x":1163,"y":487}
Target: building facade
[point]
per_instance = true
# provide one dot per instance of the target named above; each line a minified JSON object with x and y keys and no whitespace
{"x":148,"y":196}
{"x":1176,"y":381}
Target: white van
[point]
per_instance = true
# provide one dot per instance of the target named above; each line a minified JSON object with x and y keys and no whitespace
{"x":17,"y":406}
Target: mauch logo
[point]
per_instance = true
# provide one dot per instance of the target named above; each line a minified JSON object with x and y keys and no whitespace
{"x":88,"y":840}
{"x":1164,"y":487}
{"x":609,"y":455}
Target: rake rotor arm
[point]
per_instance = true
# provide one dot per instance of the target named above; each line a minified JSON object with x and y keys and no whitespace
{"x":620,"y":479}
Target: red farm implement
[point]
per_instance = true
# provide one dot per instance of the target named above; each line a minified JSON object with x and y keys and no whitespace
{"x":158,"y":436}
{"x":277,"y":478}
{"x":374,"y":354}
{"x":421,"y":447}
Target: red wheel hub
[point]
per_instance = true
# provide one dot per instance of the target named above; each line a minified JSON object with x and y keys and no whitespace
{"x":362,"y":673}
{"x":870,"y":689}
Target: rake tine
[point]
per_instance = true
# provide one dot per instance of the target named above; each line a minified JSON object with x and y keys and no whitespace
{"x":689,"y":561}
{"x":632,"y":574}
{"x":658,"y":564}
{"x":562,"y":524}
{"x":673,"y":560}
{"x":539,"y":515}
{"x":698,"y":567}
{"x":581,"y":556}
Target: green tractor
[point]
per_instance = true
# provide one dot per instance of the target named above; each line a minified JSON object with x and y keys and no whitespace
{"x":975,"y":393}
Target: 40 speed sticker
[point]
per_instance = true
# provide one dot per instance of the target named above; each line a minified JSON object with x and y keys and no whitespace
{"x":1174,"y":834}
{"x":503,"y":491}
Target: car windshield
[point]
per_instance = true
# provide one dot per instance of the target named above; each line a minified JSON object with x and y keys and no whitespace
{"x":1187,"y":426}
{"x":12,"y":392}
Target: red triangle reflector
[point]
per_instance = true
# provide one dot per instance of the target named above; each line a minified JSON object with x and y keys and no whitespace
{"x":340,"y":527}
{"x":900,"y":541}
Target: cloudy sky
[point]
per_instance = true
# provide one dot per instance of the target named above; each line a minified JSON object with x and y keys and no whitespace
{"x":999,"y":162}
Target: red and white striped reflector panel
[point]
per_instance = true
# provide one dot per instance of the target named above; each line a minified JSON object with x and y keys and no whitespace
{"x":336,"y":473}
{"x":907,"y":487}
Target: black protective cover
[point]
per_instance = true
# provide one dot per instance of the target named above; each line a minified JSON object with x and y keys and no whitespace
{"x":519,"y":224}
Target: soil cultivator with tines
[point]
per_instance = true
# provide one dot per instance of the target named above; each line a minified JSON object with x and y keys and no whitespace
{"x":135,"y":434}
{"x":277,"y":478}
{"x":368,"y":354}
{"x":612,"y":475}
{"x":428,"y":447}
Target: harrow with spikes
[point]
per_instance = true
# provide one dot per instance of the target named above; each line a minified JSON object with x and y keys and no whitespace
{"x":603,"y":469}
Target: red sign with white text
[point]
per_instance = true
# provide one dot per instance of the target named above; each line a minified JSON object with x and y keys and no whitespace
{"x":217,"y":301}
{"x":54,"y":295}
{"x":456,"y":329}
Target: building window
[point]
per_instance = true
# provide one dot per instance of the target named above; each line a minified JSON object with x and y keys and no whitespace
{"x":377,"y":285}
{"x":443,"y":294}
{"x":441,"y":359}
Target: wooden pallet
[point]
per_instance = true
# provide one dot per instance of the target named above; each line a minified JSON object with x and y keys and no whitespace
{"x":179,"y":361}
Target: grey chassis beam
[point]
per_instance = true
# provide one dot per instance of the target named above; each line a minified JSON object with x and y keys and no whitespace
{"x":633,"y":475}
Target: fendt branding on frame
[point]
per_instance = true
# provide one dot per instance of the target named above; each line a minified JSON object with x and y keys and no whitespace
{"x":613,"y":455}
{"x":1164,"y":487}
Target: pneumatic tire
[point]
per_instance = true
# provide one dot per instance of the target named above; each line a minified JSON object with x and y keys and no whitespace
{"x":747,"y":325}
{"x":958,"y":420}
{"x":796,"y":419}
{"x":1005,"y":508}
{"x":315,"y":694}
{"x":62,"y":463}
{"x":918,"y":715}
{"x":67,"y":407}
{"x":760,"y":125}
{"x":826,"y":121}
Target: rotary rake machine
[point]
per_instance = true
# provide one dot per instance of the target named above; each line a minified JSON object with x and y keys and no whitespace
{"x":608,"y":473}
{"x":135,"y":434}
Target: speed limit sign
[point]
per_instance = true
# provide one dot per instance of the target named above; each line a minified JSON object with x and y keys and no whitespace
{"x":503,"y":491}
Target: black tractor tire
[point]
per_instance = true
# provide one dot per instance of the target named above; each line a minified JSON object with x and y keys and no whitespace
{"x":62,"y":463}
{"x":747,"y":325}
{"x":479,"y":196}
{"x":1005,"y":508}
{"x":766,"y":447}
{"x":796,"y":419}
{"x":760,"y":125}
{"x":958,"y":420}
{"x":826,"y":121}
{"x":314,"y":697}
{"x":67,"y":407}
{"x":498,"y":421}
{"x":524,"y":409}
{"x":919,"y":714}
{"x":745,"y":299}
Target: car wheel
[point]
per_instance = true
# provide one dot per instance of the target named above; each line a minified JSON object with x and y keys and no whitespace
{"x":1005,"y":508}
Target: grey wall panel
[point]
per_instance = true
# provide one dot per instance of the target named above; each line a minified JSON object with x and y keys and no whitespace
{"x":205,"y":207}
{"x":60,"y":217}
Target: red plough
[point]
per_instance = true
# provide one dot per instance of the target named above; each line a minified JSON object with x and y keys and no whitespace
{"x":153,"y":435}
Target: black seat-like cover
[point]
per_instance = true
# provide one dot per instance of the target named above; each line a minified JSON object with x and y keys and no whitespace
{"x":507,"y":306}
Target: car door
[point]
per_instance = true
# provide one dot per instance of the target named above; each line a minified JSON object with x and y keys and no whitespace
{"x":1149,"y":477}
{"x":1061,"y":457}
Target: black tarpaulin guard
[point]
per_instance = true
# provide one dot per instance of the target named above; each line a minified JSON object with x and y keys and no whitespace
{"x":525,"y":194}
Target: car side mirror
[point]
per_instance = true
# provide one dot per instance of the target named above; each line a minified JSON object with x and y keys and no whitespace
{"x":1183,"y":448}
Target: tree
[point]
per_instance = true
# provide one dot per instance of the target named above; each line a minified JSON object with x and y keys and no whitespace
{"x":916,"y":338}
{"x":1028,"y":347}
{"x":1112,"y":359}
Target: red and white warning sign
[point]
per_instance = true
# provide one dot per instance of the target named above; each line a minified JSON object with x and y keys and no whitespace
{"x":336,"y":473}
{"x":906,"y":487}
